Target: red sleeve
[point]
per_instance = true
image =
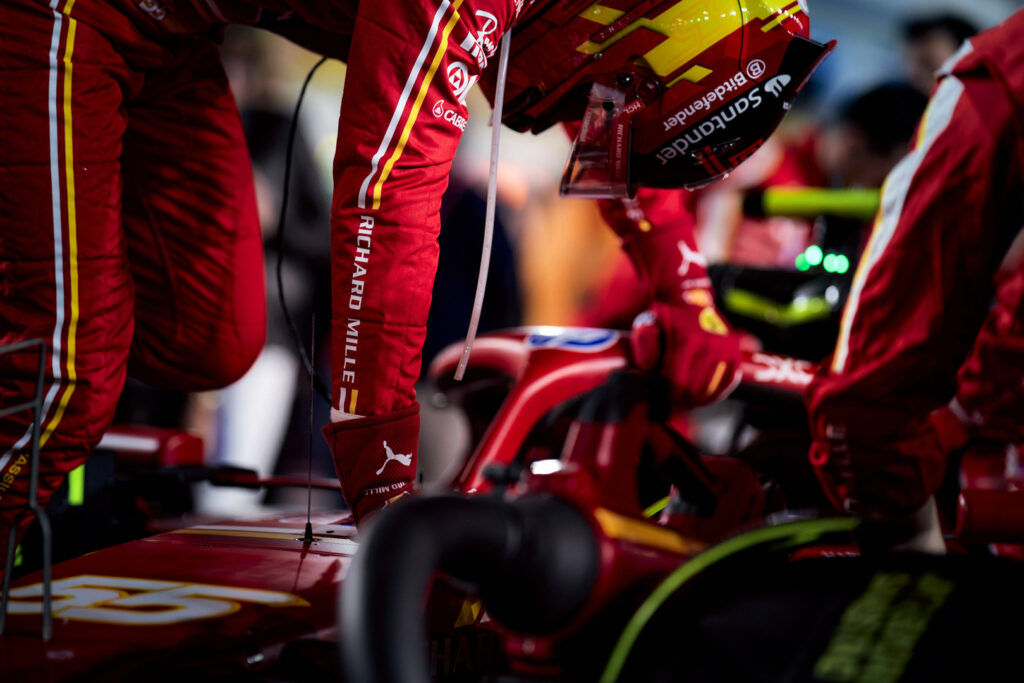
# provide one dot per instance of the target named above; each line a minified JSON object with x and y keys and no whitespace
{"x":656,"y":228}
{"x":410,"y":66}
{"x":918,"y":299}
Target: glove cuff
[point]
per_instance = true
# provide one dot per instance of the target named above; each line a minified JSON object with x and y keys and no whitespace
{"x":375,"y":457}
{"x":669,"y":262}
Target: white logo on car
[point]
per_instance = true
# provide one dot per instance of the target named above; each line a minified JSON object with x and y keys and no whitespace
{"x":756,"y":68}
{"x":781,"y":370}
{"x":775,"y":85}
{"x":389,"y":455}
{"x":579,"y":340}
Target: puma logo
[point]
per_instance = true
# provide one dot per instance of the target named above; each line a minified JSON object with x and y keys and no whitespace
{"x":403,"y":458}
{"x":690,"y":258}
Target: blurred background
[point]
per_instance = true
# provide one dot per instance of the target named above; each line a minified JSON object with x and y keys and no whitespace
{"x":554,"y":262}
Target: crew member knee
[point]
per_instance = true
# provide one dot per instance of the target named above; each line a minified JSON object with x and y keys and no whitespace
{"x":200,"y":362}
{"x":228,"y":362}
{"x":87,"y":417}
{"x":225,"y":359}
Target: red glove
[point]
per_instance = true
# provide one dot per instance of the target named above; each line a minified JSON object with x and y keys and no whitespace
{"x":875,"y":481}
{"x":375,"y":458}
{"x":681,"y":335}
{"x":690,"y":345}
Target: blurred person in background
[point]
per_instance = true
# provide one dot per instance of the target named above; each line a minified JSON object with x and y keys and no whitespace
{"x":929,"y":41}
{"x":931,"y":348}
{"x":461,"y":241}
{"x":378,"y":329}
{"x":871,"y":133}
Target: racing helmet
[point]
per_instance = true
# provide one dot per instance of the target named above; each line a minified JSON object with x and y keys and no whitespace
{"x":667,"y":93}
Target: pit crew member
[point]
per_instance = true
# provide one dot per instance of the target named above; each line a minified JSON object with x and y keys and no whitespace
{"x":923,"y":360}
{"x":130,"y":240}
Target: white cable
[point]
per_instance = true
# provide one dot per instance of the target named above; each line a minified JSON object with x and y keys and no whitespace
{"x":492,"y":193}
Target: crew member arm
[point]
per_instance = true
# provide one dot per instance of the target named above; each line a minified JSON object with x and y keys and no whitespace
{"x":949,"y":211}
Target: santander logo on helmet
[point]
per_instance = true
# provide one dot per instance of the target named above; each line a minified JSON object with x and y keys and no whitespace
{"x":634,"y":72}
{"x":776,"y":85}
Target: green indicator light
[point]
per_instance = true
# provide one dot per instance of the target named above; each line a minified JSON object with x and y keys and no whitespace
{"x":76,"y":486}
{"x":842,"y":264}
{"x":831,"y":263}
{"x":801,"y":262}
{"x":813,"y":254}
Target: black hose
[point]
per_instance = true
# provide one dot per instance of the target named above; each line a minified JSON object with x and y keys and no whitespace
{"x":318,"y":384}
{"x":535,"y":561}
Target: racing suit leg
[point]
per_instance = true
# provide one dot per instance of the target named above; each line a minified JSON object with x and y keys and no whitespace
{"x":128,"y":228}
{"x":410,"y":67}
{"x":193,"y":238}
{"x":949,"y":211}
{"x":63,"y":273}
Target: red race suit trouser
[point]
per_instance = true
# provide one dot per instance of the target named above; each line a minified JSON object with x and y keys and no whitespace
{"x":403,"y":112}
{"x":128,"y":231}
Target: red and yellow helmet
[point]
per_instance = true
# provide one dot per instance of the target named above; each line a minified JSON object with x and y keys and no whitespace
{"x":669,"y":93}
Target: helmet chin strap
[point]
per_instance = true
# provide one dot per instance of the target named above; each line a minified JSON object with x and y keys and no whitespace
{"x":492,"y":192}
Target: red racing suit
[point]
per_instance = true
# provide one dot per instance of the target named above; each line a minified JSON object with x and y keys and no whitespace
{"x":128,"y":228}
{"x":135,"y":91}
{"x":402,"y":116}
{"x":918,"y":330}
{"x":410,"y":65}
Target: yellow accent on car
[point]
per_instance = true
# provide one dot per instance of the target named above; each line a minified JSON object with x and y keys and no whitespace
{"x":468,"y":614}
{"x":624,"y":528}
{"x":136,"y":602}
{"x":798,"y":312}
{"x":656,"y":508}
{"x":716,"y":379}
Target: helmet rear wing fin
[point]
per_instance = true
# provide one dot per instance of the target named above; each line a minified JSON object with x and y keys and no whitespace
{"x":810,"y":52}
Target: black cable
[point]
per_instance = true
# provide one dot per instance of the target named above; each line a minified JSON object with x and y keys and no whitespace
{"x":318,"y":383}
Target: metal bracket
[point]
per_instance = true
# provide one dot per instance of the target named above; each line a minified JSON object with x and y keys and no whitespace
{"x":36,"y":406}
